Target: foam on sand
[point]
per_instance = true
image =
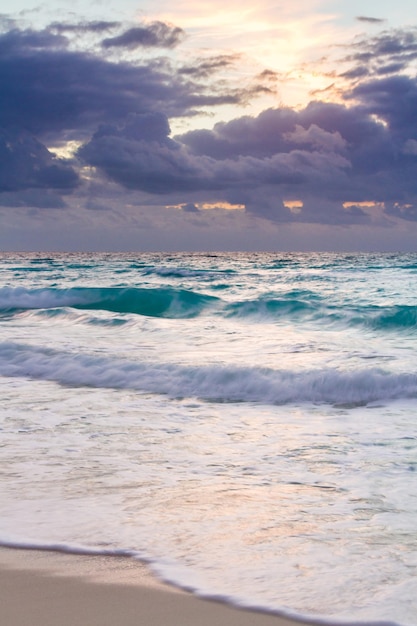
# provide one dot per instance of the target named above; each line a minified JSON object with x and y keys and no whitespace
{"x":103,"y":591}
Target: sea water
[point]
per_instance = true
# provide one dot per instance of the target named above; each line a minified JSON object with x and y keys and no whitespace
{"x":245,"y":423}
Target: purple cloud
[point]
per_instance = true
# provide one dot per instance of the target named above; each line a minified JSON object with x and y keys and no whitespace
{"x":154,"y":35}
{"x":329,"y":158}
{"x":26,"y":163}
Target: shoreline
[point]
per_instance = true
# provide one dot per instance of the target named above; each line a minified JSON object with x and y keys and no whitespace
{"x":46,"y":588}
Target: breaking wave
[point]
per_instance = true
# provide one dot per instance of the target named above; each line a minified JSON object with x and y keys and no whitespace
{"x":156,"y":302}
{"x":172,"y":302}
{"x":212,"y":383}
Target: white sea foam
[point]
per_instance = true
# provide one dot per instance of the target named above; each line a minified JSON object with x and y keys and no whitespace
{"x":23,"y":298}
{"x":7,"y":541}
{"x":221,"y":383}
{"x":173,"y":573}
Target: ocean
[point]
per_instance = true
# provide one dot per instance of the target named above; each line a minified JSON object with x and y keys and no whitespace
{"x":246,"y":424}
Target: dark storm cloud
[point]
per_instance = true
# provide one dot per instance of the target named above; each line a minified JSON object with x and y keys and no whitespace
{"x":16,"y":40}
{"x":52,"y":93}
{"x":153,"y":35}
{"x":275,"y":131}
{"x":142,"y":156}
{"x":26,"y":163}
{"x":393,"y":99}
{"x":49,"y":89}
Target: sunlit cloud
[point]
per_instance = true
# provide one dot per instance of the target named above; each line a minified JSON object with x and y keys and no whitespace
{"x":65,"y":150}
{"x":367,"y":204}
{"x":294,"y":206}
{"x":225,"y":206}
{"x":207,"y":206}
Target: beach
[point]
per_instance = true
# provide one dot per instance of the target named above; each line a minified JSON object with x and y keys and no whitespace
{"x":42,"y":588}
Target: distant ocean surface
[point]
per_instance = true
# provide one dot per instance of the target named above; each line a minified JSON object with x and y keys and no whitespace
{"x":245,"y":423}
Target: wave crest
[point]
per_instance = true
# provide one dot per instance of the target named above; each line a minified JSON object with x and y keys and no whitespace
{"x":172,"y":302}
{"x":156,"y":302}
{"x":213,"y":383}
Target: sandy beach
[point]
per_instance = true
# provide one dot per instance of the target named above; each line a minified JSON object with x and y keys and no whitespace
{"x":52,"y":589}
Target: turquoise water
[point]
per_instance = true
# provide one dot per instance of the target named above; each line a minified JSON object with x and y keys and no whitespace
{"x":246,"y":423}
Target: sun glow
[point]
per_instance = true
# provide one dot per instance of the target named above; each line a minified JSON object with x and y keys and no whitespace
{"x":285,"y":40}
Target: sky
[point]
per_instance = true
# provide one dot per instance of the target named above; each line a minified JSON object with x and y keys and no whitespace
{"x":208,"y":125}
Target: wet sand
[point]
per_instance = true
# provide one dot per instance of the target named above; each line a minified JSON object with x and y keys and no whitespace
{"x":40,"y":588}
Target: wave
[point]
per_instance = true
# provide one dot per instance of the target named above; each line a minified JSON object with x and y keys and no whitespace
{"x":67,"y":548}
{"x":271,"y":307}
{"x":171,"y":302}
{"x":74,"y":317}
{"x":157,"y":302}
{"x":212,"y":383}
{"x":393,"y":317}
{"x":401,"y":317}
{"x":184,"y":272}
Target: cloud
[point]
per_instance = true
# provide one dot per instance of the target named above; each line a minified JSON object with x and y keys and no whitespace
{"x":15,"y":40}
{"x":320,"y":125}
{"x":370,"y":20}
{"x":49,"y":89}
{"x":190,"y":207}
{"x":337,"y":163}
{"x":141,"y":155}
{"x":153,"y":35}
{"x":34,"y":198}
{"x":410,"y":147}
{"x":389,"y":52}
{"x":203,"y":68}
{"x":26,"y":163}
{"x":52,"y":94}
{"x":392,"y":99}
{"x":95,"y":26}
{"x":317,"y":138}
